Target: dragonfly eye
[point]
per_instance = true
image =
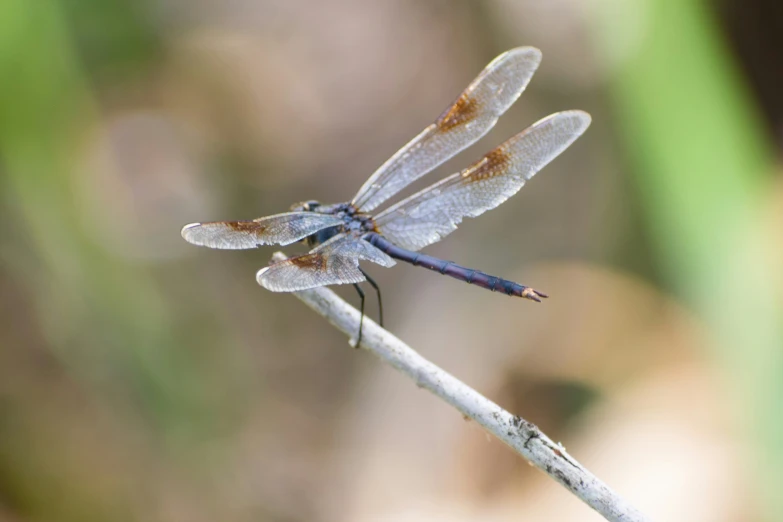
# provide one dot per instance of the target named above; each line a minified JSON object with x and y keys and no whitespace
{"x":305,"y":206}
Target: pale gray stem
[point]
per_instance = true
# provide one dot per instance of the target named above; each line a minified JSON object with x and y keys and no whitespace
{"x":522,"y":436}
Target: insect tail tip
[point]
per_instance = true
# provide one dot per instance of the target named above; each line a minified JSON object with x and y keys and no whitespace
{"x":533,"y":295}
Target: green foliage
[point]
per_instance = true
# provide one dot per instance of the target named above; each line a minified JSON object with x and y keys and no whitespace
{"x":703,"y":166}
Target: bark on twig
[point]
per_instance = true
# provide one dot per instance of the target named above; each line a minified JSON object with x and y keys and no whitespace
{"x":522,"y":436}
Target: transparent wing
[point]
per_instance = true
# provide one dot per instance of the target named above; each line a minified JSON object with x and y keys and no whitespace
{"x":435,"y":212}
{"x":281,"y":229}
{"x":468,"y":119}
{"x":335,"y":262}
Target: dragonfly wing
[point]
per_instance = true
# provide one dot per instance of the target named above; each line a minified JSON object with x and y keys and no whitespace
{"x":280,"y":229}
{"x":433,"y":213}
{"x":335,"y":262}
{"x":468,"y":119}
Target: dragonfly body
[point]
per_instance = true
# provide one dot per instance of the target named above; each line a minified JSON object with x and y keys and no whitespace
{"x":452,"y":269}
{"x":356,"y":222}
{"x":353,"y":221}
{"x":343,"y":234}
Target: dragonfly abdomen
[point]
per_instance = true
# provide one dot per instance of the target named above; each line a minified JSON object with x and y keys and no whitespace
{"x":451,"y":269}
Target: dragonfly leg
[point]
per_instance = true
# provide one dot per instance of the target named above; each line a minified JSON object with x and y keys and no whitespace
{"x":361,"y":314}
{"x":377,"y":291}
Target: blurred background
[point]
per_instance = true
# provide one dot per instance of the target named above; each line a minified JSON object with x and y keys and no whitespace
{"x":142,"y":378}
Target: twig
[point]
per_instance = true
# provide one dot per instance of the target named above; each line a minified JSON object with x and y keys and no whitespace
{"x":522,"y":436}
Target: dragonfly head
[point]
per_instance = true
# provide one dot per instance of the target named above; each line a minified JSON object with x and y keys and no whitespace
{"x":305,"y":206}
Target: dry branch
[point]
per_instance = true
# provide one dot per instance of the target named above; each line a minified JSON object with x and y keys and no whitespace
{"x":522,"y":436}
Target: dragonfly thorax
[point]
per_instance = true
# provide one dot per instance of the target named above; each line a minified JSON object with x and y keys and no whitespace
{"x":354,"y":222}
{"x":322,"y":236}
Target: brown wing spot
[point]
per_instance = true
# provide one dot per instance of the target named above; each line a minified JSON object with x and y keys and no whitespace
{"x":246,"y":226}
{"x":495,"y":163}
{"x":464,"y":110}
{"x":309,"y":262}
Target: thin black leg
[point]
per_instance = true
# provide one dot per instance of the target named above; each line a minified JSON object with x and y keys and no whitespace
{"x":361,"y":314}
{"x":377,"y":291}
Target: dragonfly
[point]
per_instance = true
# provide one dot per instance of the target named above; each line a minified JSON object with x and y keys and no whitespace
{"x":343,"y":234}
